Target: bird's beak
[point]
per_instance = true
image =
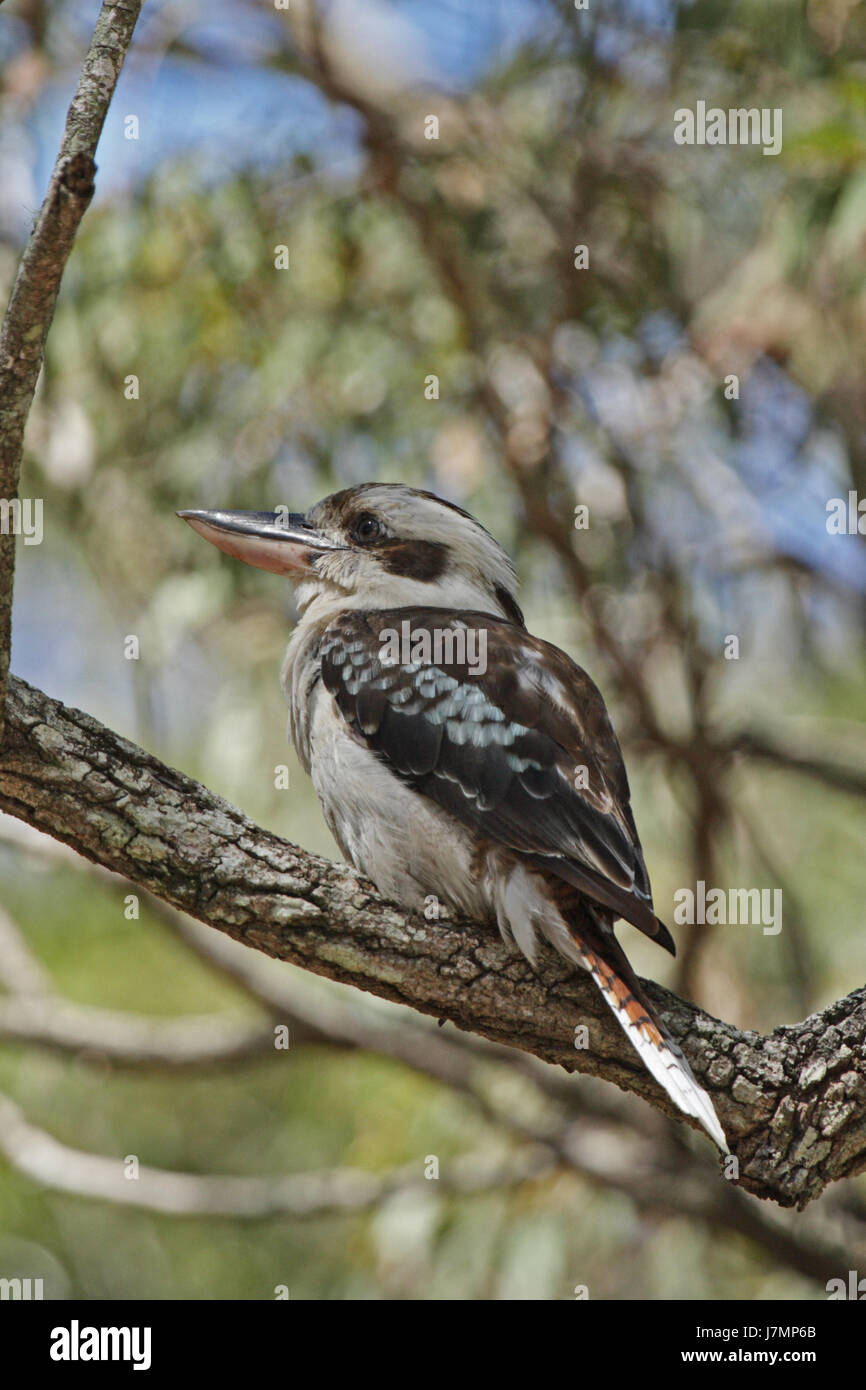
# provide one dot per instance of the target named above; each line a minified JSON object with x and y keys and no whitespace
{"x":283,"y":542}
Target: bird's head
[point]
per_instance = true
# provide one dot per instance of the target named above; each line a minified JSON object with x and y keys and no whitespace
{"x":379,"y":545}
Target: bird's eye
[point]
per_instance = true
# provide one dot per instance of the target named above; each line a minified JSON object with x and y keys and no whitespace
{"x":366,"y":529}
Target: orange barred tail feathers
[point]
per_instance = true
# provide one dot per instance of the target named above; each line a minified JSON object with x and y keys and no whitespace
{"x":659,"y":1053}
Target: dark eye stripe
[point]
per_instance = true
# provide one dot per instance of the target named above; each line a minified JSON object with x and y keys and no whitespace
{"x":424,"y":560}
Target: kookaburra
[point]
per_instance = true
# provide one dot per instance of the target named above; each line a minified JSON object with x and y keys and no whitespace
{"x":455,"y":755}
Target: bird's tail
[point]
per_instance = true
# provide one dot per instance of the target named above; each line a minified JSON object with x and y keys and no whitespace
{"x":657,"y":1049}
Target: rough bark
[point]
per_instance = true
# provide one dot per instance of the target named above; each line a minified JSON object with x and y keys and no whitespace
{"x":34,"y":295}
{"x":791,"y":1103}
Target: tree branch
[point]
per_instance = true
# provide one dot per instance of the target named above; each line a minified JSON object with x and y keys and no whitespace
{"x":132,"y":1040}
{"x":347,"y":1191}
{"x":31,"y":307}
{"x":601,"y":1155}
{"x":791,"y":1103}
{"x":20,"y":971}
{"x":756,"y":746}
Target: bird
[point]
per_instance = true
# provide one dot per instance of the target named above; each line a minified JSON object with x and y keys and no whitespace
{"x":456,"y":756}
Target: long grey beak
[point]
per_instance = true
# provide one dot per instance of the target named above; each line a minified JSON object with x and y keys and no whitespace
{"x":283,"y":542}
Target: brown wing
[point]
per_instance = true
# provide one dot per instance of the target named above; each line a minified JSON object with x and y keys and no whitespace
{"x":522,"y":750}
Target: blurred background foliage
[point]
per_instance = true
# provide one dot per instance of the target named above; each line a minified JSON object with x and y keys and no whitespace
{"x":557,"y":387}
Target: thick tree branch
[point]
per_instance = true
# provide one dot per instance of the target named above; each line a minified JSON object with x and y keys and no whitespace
{"x":791,"y":1103}
{"x":34,"y":295}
